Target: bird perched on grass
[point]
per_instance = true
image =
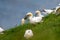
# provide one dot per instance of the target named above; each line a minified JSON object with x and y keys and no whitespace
{"x":1,"y":30}
{"x":32,"y":19}
{"x":28,"y":34}
{"x":38,"y":13}
{"x":48,"y":11}
{"x":22,"y":21}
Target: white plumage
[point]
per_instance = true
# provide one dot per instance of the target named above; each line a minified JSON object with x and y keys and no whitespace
{"x":22,"y":21}
{"x":57,"y":8}
{"x":1,"y":30}
{"x":32,"y":19}
{"x":28,"y":34}
{"x":38,"y":14}
{"x":48,"y":11}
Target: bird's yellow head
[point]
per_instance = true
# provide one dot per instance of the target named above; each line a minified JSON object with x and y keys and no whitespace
{"x":38,"y":12}
{"x":29,"y":14}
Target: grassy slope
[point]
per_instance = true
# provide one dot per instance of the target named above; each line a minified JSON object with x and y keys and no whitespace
{"x":48,"y":30}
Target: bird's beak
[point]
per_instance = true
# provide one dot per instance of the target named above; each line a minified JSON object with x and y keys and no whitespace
{"x":26,"y":17}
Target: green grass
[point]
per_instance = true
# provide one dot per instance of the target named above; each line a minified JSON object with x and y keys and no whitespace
{"x":48,"y":30}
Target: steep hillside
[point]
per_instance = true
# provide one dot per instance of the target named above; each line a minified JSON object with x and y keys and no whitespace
{"x":48,"y":30}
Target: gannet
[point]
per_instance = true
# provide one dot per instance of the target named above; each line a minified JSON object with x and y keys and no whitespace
{"x":22,"y":21}
{"x":32,"y":19}
{"x":48,"y":11}
{"x":28,"y":34}
{"x":1,"y":30}
{"x":38,"y":14}
{"x":57,"y":9}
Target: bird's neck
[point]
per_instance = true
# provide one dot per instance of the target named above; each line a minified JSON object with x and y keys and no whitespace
{"x":38,"y":14}
{"x":30,"y":17}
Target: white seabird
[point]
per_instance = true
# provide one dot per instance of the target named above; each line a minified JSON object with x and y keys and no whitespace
{"x":32,"y":19}
{"x":57,"y":9}
{"x":22,"y":21}
{"x":28,"y":34}
{"x":1,"y":30}
{"x":38,"y":14}
{"x":48,"y":11}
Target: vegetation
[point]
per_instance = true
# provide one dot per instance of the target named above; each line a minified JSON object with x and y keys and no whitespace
{"x":47,"y":30}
